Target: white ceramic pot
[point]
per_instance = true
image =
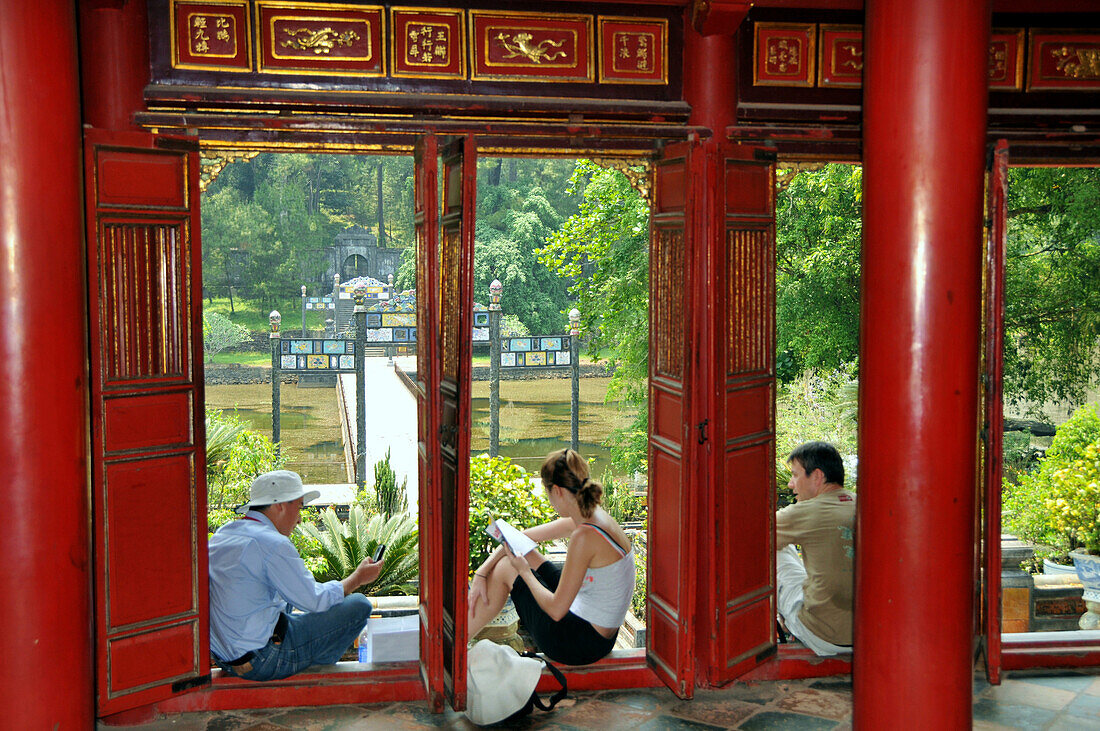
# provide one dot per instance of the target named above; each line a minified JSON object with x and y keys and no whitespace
{"x":1088,"y":571}
{"x":1051,"y":568}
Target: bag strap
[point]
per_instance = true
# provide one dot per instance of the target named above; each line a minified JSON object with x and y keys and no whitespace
{"x":559,"y":695}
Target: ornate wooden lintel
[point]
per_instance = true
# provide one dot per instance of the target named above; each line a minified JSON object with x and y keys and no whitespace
{"x":639,"y":172}
{"x":212,"y":162}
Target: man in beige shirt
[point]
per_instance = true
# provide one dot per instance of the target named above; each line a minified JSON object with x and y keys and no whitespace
{"x":814,"y":591}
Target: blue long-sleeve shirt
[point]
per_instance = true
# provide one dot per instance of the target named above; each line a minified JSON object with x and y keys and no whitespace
{"x":255,"y":573}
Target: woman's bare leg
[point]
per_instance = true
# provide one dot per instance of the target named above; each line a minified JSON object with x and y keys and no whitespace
{"x":498,"y":585}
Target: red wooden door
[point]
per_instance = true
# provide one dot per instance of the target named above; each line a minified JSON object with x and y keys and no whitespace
{"x":456,"y":304}
{"x":148,"y":430}
{"x":428,"y":368}
{"x":993,"y":307}
{"x":673,"y":507}
{"x":738,"y":562}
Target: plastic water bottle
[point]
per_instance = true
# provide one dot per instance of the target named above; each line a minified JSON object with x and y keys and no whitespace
{"x":364,"y":645}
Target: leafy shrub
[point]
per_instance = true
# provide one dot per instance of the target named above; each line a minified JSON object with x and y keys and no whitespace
{"x":619,"y":502}
{"x":340,"y":547}
{"x":817,"y":405}
{"x":638,"y":598}
{"x":229,"y":476}
{"x":1058,"y":505}
{"x":390,"y":496}
{"x":219,"y":333}
{"x":502,"y":488}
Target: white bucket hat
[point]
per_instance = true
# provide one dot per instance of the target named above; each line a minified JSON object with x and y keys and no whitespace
{"x":280,"y":486}
{"x":499,"y":682}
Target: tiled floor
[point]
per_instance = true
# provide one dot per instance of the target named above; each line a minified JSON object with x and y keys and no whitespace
{"x":1037,"y":701}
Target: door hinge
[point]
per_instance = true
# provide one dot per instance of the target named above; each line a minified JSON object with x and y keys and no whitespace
{"x":702,"y":427}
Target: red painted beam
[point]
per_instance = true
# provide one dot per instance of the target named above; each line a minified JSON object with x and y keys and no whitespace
{"x":923,"y":164}
{"x":797,"y":663}
{"x":47,"y":678}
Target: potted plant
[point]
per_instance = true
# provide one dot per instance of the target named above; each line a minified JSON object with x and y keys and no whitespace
{"x":1058,"y":505}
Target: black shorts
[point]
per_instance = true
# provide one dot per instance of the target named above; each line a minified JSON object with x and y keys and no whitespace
{"x":570,"y":640}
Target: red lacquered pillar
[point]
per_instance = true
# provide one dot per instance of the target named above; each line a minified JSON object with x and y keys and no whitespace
{"x":46,"y":676}
{"x":710,"y":79}
{"x":114,"y":61}
{"x":924,"y":121}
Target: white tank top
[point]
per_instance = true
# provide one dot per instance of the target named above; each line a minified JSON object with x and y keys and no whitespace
{"x":605,"y":592}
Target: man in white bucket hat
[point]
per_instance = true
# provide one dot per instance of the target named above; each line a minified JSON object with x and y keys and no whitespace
{"x":256,"y":576}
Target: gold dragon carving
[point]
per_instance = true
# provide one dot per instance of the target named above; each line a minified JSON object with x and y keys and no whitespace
{"x":519,"y":44}
{"x":319,"y":41}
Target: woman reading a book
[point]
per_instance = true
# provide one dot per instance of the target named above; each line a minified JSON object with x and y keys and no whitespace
{"x":573,"y":613}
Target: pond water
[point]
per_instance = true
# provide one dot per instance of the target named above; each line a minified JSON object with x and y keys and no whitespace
{"x":534,"y":420}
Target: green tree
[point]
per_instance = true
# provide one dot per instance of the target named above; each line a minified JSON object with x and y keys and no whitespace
{"x":604,"y":250}
{"x":818,"y":240}
{"x":219,"y":333}
{"x":1052,"y":301}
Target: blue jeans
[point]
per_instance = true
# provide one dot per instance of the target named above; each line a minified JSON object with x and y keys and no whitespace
{"x":316,"y":638}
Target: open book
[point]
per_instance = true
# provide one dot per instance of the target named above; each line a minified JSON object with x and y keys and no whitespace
{"x":504,"y":532}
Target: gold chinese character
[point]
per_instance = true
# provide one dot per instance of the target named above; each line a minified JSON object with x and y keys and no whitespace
{"x":624,"y":52}
{"x":440,"y":50}
{"x":199,"y":21}
{"x":426,"y":30}
{"x":223,"y":35}
{"x":202,"y":47}
{"x":441,"y":35}
{"x":426,"y":57}
{"x":201,"y":36}
{"x":414,"y":50}
{"x":223,"y":22}
{"x":413,"y":35}
{"x":641,"y":41}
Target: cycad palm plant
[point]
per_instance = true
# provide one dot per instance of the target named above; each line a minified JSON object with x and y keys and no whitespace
{"x":345,"y":545}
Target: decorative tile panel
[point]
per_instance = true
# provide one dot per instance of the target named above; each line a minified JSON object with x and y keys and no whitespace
{"x":633,"y":51}
{"x":531,"y":46}
{"x":1064,"y":60}
{"x":211,"y":35}
{"x":841,"y":58}
{"x":321,"y":39}
{"x":784,"y":54}
{"x":1006,"y":59}
{"x":428,"y":43}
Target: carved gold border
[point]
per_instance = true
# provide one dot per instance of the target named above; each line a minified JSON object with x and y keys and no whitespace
{"x":811,"y":52}
{"x":589,"y":77}
{"x":1031,"y":59}
{"x":173,"y":32}
{"x":821,"y":60}
{"x":460,"y":39}
{"x":663,"y":22}
{"x":1021,"y":52}
{"x":278,"y":4}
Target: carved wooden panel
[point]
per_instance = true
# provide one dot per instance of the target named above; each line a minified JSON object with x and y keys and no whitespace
{"x":449,"y":302}
{"x":320,"y":38}
{"x":668,"y":298}
{"x":784,"y":54}
{"x":211,"y":35}
{"x":750,"y":280}
{"x":633,"y":50}
{"x":1006,"y":59}
{"x":841,"y":56}
{"x":1064,"y":60}
{"x":428,"y":44}
{"x":144,"y":300}
{"x":531,"y":46}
